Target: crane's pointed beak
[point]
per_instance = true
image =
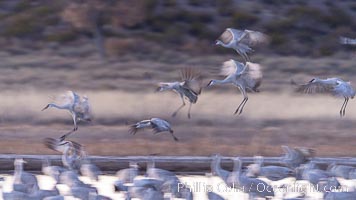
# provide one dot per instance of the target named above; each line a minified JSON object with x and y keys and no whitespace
{"x":45,"y":107}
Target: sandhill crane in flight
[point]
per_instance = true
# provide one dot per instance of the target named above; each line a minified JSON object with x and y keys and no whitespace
{"x":333,"y":86}
{"x":190,"y":87}
{"x":241,"y":40}
{"x":78,"y":107}
{"x":247,"y":77}
{"x":156,"y":124}
{"x":348,"y":41}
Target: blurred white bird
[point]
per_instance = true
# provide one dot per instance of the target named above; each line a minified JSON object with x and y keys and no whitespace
{"x":157,"y":124}
{"x":190,"y":87}
{"x":333,"y":86}
{"x":24,"y":181}
{"x":78,"y":107}
{"x":89,"y":169}
{"x":247,"y":77}
{"x":241,"y":40}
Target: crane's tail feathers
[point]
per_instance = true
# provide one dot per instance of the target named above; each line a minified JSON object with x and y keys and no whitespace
{"x":133,"y":129}
{"x":50,"y":143}
{"x":292,"y":82}
{"x":158,"y":89}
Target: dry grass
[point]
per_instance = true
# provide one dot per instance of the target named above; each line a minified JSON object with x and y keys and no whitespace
{"x":269,"y":120}
{"x":121,"y":92}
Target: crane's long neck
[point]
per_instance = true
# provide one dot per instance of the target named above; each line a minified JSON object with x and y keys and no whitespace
{"x":57,"y":106}
{"x":18,"y":172}
{"x":216,"y":166}
{"x":221,"y":82}
{"x":224,"y":45}
{"x":67,"y":158}
{"x":237,"y":167}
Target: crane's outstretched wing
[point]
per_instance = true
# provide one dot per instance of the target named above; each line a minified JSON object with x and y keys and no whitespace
{"x":83,"y":106}
{"x":252,"y":38}
{"x":312,"y":88}
{"x":139,"y":125}
{"x":232,"y":67}
{"x":58,"y":145}
{"x":159,"y":125}
{"x":192,"y":79}
{"x":236,"y":33}
{"x":66,"y":99}
{"x":253,"y":70}
{"x":229,"y":35}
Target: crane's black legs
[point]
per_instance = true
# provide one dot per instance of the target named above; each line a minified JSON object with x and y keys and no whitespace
{"x":180,"y":107}
{"x":190,"y":107}
{"x":343,"y":107}
{"x":241,"y":106}
{"x":63,"y":137}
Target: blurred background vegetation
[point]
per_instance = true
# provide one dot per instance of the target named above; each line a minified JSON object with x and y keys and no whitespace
{"x":117,"y":27}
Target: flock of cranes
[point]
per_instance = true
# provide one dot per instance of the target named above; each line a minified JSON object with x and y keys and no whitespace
{"x":296,"y":168}
{"x":297,"y":162}
{"x":247,"y":77}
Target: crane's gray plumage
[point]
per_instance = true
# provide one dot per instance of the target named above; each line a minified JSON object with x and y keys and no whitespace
{"x":24,"y":181}
{"x":170,"y":182}
{"x":190,"y":87}
{"x":340,"y":195}
{"x":145,"y":188}
{"x":145,"y":193}
{"x":238,"y":179}
{"x":78,"y":107}
{"x":156,"y":124}
{"x":71,"y":178}
{"x":89,"y":169}
{"x":313,"y":174}
{"x":247,"y":77}
{"x":58,"y":197}
{"x":241,"y":40}
{"x":273,"y":173}
{"x":216,"y":168}
{"x":333,"y":86}
{"x":126,"y":176}
{"x":294,"y":157}
{"x":342,"y":171}
{"x":214,"y":196}
{"x":52,"y":171}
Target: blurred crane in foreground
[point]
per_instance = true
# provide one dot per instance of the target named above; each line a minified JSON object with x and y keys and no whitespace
{"x":241,"y":40}
{"x":71,"y":151}
{"x":78,"y":107}
{"x":333,"y":86}
{"x":247,"y":77}
{"x":190,"y":87}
